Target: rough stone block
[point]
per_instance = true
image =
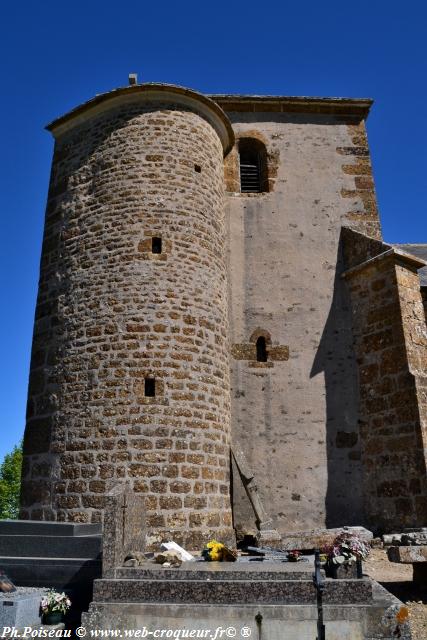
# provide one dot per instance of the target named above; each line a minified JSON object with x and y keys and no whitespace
{"x":407,"y":555}
{"x":319,"y":538}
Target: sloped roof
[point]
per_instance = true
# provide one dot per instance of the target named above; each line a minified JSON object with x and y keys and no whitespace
{"x":204,"y":105}
{"x":358,"y":107}
{"x":420,"y":251}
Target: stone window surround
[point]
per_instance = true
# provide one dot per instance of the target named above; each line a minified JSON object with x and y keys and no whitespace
{"x":158,"y":398}
{"x":232,"y":167}
{"x":247,"y":351}
{"x":145,"y":246}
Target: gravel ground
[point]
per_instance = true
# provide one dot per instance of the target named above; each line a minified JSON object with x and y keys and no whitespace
{"x":397,"y":578}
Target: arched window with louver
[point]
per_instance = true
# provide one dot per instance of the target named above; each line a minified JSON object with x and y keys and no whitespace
{"x":253,"y":166}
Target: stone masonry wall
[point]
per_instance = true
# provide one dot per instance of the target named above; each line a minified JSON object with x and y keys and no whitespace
{"x":362,"y":201}
{"x":296,"y":419}
{"x":391,"y":347}
{"x":111,"y":313}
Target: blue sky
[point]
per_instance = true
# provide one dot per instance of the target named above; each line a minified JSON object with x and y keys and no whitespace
{"x":56,"y":55}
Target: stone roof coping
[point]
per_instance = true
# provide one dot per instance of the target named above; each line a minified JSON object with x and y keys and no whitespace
{"x":403,"y":256}
{"x":149,"y":91}
{"x":419,"y":250}
{"x":300,"y":104}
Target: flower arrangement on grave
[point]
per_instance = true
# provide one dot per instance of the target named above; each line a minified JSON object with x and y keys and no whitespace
{"x":294,"y":555}
{"x":215,"y":551}
{"x":346,"y":549}
{"x":54,"y":605}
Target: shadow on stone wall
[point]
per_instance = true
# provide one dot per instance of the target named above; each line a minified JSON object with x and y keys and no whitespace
{"x":335,"y":357}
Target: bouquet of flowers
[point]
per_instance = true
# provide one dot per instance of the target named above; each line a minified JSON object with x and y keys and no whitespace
{"x":216,"y":551}
{"x":54,"y":601}
{"x":346,"y":549}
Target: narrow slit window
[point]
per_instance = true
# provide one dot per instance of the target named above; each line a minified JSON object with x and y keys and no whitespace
{"x":261,"y":349}
{"x":156,"y":245}
{"x":150,"y":387}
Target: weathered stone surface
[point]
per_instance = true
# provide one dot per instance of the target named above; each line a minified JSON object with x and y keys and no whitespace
{"x":124,"y":527}
{"x":414,"y":538}
{"x":419,"y":250}
{"x":389,"y":329}
{"x":284,"y":263}
{"x":138,"y":306}
{"x":113,"y":313}
{"x":392,"y":538}
{"x":343,"y":571}
{"x":231,"y":592}
{"x":239,"y":570}
{"x":379,"y":620}
{"x":319,"y":538}
{"x":269,"y":538}
{"x":273,"y":597}
{"x":407,"y":555}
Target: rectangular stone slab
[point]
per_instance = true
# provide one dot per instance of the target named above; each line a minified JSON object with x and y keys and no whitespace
{"x":21,"y":608}
{"x":407,"y":555}
{"x":231,"y":591}
{"x":50,"y":546}
{"x":254,"y":571}
{"x":44,"y":528}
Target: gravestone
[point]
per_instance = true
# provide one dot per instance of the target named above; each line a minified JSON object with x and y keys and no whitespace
{"x":235,"y":595}
{"x":248,"y":599}
{"x":21,"y":608}
{"x":124,"y":528}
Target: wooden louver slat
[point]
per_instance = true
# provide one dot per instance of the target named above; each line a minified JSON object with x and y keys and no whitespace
{"x":250,"y":176}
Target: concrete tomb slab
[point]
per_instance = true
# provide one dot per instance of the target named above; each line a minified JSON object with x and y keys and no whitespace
{"x":379,"y":617}
{"x":21,"y":608}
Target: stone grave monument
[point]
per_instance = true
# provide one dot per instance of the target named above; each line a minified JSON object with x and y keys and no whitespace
{"x":275,"y":599}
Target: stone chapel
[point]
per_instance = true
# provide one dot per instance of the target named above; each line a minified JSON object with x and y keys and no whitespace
{"x":213,"y":279}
